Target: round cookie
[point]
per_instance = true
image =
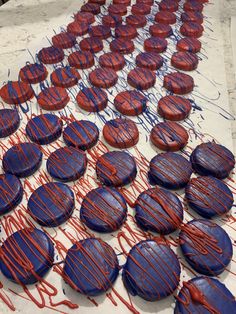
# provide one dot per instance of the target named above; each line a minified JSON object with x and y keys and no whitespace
{"x":33,"y":73}
{"x":100,"y":2}
{"x":77,"y":29}
{"x":11,"y":192}
{"x":93,"y":8}
{"x":158,"y":210}
{"x":22,"y":159}
{"x":121,"y":133}
{"x":130,"y":103}
{"x":137,"y":21}
{"x":81,"y":59}
{"x":146,"y":2}
{"x":189,"y":44}
{"x":103,"y":78}
{"x":9,"y":122}
{"x":103,"y":210}
{"x":178,"y":83}
{"x":191,"y":29}
{"x":212,"y":159}
{"x":165,"y":17}
{"x":126,"y":31}
{"x":53,"y":98}
{"x":204,"y":295}
{"x":205,"y":246}
{"x":155,"y":44}
{"x":160,"y":30}
{"x":65,"y":77}
{"x":94,"y":259}
{"x":169,"y":136}
{"x":44,"y":129}
{"x":91,"y":44}
{"x":149,"y":60}
{"x":141,"y":78}
{"x":51,"y":204}
{"x":140,"y":9}
{"x":64,"y":40}
{"x":84,"y":17}
{"x":117,"y":9}
{"x":124,"y":2}
{"x":100,"y":31}
{"x":116,"y":168}
{"x":111,"y":20}
{"x":51,"y":55}
{"x":208,"y":196}
{"x":174,"y":108}
{"x":67,"y":164}
{"x":184,"y":60}
{"x":194,"y":16}
{"x":31,"y":258}
{"x":112,"y":60}
{"x":168,"y":5}
{"x":92,"y":99}
{"x":151,"y":271}
{"x":16,"y":92}
{"x":82,"y":134}
{"x":193,"y":6}
{"x":122,"y":46}
{"x":170,"y":170}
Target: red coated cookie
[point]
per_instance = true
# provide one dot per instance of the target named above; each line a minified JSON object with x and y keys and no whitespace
{"x":121,"y":133}
{"x":51,"y":55}
{"x":122,"y":46}
{"x":100,"y":31}
{"x":130,"y":103}
{"x":165,"y":17}
{"x":33,"y":73}
{"x":78,"y":29}
{"x":191,"y":30}
{"x":100,"y":2}
{"x":64,"y":40}
{"x":168,"y":5}
{"x":92,"y":99}
{"x":53,"y":98}
{"x":192,"y":16}
{"x":193,"y":6}
{"x":160,"y":30}
{"x":91,"y":44}
{"x":93,"y":8}
{"x":117,"y":9}
{"x":126,"y":31}
{"x":149,"y":60}
{"x":184,"y":60}
{"x":16,"y":92}
{"x":140,"y":9}
{"x":155,"y":44}
{"x":84,"y":17}
{"x":112,"y":60}
{"x":169,"y":136}
{"x":102,"y":77}
{"x":124,"y":2}
{"x":111,"y":20}
{"x":149,"y":2}
{"x":174,"y":108}
{"x":141,"y":78}
{"x":178,"y":83}
{"x":189,"y":44}
{"x":81,"y":59}
{"x":136,"y":20}
{"x":65,"y":77}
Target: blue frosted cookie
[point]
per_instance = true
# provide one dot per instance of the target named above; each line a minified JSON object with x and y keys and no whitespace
{"x":91,"y":267}
{"x":67,"y":164}
{"x":170,"y":170}
{"x":208,"y":196}
{"x":22,"y":159}
{"x":26,"y":256}
{"x":116,"y":168}
{"x":205,"y":246}
{"x":103,"y":209}
{"x":11,"y":192}
{"x":51,"y":204}
{"x":44,"y":129}
{"x":158,"y":210}
{"x":9,"y":122}
{"x":82,"y":134}
{"x":151,"y":271}
{"x":212,"y":159}
{"x":204,"y":295}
